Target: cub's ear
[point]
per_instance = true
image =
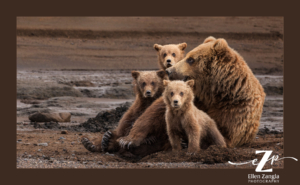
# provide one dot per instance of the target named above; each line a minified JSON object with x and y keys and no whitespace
{"x":208,"y":39}
{"x":157,"y":47}
{"x":182,"y":46}
{"x":166,"y":82}
{"x":190,"y":83}
{"x":135,"y":74}
{"x":161,"y":74}
{"x":220,"y":46}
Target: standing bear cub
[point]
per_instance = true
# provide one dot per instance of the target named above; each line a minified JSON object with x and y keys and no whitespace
{"x":148,"y":86}
{"x":169,"y":55}
{"x":185,"y":121}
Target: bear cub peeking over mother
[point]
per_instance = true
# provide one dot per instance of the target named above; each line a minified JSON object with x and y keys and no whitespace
{"x":185,"y":121}
{"x":169,"y":55}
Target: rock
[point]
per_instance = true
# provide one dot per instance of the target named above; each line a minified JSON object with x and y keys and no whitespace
{"x":42,"y":144}
{"x":19,"y":140}
{"x":64,"y":132}
{"x":48,"y":117}
{"x":61,"y":138}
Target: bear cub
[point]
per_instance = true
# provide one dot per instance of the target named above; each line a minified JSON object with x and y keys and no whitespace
{"x":148,"y":86}
{"x":185,"y":121}
{"x":169,"y":55}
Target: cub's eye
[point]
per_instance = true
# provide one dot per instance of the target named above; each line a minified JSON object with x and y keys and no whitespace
{"x":143,"y":84}
{"x":172,"y":93}
{"x":181,"y":93}
{"x":165,"y":55}
{"x":173,"y":54}
{"x":152,"y":83}
{"x":190,"y":60}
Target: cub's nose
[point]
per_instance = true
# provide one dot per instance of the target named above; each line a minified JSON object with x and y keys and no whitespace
{"x":175,"y":102}
{"x":168,"y":61}
{"x":148,"y":93}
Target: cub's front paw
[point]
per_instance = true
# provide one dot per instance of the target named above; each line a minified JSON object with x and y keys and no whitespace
{"x":88,"y":144}
{"x":127,"y":142}
{"x":105,"y":140}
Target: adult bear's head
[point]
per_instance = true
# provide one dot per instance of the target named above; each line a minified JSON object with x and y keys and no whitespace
{"x":218,"y":70}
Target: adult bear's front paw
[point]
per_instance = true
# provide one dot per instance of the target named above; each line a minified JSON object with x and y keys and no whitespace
{"x":127,"y":142}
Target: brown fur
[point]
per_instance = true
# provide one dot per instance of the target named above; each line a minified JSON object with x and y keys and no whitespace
{"x":226,"y":88}
{"x":185,"y":121}
{"x":172,"y":52}
{"x":143,"y":81}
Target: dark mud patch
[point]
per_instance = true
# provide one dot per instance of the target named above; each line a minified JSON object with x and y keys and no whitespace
{"x":104,"y":120}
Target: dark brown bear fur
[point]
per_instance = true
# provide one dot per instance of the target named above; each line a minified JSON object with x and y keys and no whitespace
{"x":225,"y":87}
{"x":148,"y":86}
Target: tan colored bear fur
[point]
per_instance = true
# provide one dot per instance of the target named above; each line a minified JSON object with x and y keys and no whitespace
{"x":225,"y":88}
{"x":185,"y":121}
{"x":148,"y":86}
{"x":169,"y":55}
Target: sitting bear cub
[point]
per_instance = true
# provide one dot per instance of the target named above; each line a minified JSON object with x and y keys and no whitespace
{"x":185,"y":121}
{"x":148,"y":86}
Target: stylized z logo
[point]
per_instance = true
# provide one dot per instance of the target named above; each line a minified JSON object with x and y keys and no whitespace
{"x":263,"y":161}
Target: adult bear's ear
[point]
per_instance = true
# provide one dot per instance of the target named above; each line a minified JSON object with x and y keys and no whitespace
{"x":182,"y":46}
{"x":157,"y":47}
{"x":161,"y":74}
{"x":166,"y":82}
{"x":135,"y":74}
{"x":209,"y":39}
{"x":190,"y":83}
{"x":220,"y":46}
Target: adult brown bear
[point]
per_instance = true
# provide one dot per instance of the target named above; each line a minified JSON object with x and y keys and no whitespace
{"x":225,"y":88}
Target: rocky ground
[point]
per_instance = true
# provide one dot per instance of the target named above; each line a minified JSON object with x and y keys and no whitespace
{"x":42,"y":145}
{"x":83,"y":66}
